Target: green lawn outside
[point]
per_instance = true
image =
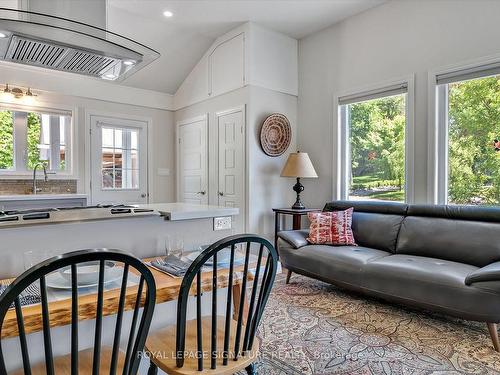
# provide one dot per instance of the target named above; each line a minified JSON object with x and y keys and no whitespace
{"x":375,"y":187}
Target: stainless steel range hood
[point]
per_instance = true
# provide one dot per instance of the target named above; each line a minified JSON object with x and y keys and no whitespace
{"x":58,"y":43}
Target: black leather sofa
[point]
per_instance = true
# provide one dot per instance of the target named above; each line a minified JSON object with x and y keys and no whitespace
{"x":440,"y":258}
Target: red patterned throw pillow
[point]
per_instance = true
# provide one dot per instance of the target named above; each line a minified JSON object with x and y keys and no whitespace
{"x":331,"y":228}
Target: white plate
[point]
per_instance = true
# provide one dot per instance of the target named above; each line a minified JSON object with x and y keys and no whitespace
{"x":57,"y":281}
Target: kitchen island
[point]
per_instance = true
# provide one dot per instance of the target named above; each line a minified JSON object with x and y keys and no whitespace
{"x":138,"y":229}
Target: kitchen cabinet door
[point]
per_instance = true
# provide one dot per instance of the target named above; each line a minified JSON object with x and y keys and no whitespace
{"x":227,"y":66}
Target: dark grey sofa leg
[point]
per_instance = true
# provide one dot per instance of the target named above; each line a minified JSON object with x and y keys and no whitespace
{"x":492,"y":327}
{"x":288,"y":275}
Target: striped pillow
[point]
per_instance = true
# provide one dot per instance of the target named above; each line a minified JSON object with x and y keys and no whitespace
{"x":331,"y":228}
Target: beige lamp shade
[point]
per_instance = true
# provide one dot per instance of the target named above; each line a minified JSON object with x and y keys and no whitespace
{"x":299,"y":165}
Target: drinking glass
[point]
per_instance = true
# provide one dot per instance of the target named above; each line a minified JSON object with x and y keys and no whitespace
{"x":33,"y":257}
{"x":162,"y":245}
{"x":175,"y":246}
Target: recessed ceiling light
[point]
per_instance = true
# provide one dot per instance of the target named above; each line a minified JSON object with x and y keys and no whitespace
{"x":129,"y":62}
{"x":109,"y":76}
{"x":2,"y":35}
{"x":168,"y":13}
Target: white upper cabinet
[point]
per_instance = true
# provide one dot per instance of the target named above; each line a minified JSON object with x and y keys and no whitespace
{"x":247,"y":55}
{"x":226,"y":66}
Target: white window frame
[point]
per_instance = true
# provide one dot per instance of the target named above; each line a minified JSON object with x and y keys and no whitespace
{"x":341,"y":154}
{"x":20,"y":171}
{"x":437,"y":162}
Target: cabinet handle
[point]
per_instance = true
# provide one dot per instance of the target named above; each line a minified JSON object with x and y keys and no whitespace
{"x":143,"y":195}
{"x":221,"y":193}
{"x":201,"y":192}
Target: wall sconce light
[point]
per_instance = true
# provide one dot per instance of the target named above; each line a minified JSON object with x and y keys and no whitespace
{"x":16,"y":93}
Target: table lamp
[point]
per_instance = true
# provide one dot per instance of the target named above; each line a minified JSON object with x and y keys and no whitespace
{"x":299,"y":166}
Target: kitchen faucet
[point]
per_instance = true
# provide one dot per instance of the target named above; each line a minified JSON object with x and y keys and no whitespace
{"x":35,"y":189}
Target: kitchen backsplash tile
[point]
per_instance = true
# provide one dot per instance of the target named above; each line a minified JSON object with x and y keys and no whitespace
{"x":13,"y":187}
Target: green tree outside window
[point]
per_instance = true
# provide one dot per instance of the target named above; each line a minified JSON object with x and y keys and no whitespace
{"x":6,"y":140}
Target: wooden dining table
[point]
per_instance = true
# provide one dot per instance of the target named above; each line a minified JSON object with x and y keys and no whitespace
{"x":167,"y":289}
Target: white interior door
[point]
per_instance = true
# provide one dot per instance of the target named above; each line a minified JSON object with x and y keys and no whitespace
{"x":119,"y":160}
{"x":232,"y":162}
{"x":193,"y":161}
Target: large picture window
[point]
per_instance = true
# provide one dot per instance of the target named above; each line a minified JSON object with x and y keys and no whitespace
{"x":28,"y":138}
{"x":374,"y":159}
{"x":469,"y":119}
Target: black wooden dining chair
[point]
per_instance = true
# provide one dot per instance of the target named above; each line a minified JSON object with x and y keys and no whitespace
{"x":229,"y":338}
{"x":99,"y":359}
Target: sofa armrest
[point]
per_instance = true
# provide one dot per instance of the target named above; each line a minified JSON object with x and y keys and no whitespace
{"x":296,"y":238}
{"x":491,"y":272}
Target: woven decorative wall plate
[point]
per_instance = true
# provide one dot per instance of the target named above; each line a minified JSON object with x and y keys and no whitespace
{"x":275,"y":134}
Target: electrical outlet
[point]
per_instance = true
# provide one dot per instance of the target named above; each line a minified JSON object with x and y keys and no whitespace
{"x":222,"y":223}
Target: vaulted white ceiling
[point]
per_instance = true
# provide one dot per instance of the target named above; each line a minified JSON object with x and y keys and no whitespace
{"x":184,"y":38}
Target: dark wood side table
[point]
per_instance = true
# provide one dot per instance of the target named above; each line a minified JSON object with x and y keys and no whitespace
{"x":297,"y":217}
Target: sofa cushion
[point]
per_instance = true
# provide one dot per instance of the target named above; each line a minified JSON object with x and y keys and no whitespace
{"x":374,"y":224}
{"x":472,"y":242}
{"x":330,"y":262}
{"x":435,"y":283}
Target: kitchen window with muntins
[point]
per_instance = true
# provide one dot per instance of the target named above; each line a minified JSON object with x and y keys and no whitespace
{"x":120,"y":158}
{"x":28,"y":138}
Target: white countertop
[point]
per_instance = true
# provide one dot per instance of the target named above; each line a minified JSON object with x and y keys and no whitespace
{"x":189,"y":211}
{"x":22,"y":197}
{"x":167,"y":211}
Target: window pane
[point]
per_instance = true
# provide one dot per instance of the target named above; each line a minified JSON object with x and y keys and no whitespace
{"x":6,"y":140}
{"x":118,"y":138}
{"x":118,"y":179}
{"x":120,"y":162}
{"x":133,"y":141}
{"x":107,"y":137}
{"x":107,"y":179}
{"x":118,"y":158}
{"x":107,"y":158}
{"x":134,"y":162}
{"x":37,"y":150}
{"x":62,"y":157}
{"x":46,"y":141}
{"x":130,"y":178}
{"x":377,"y":144}
{"x":474,"y":141}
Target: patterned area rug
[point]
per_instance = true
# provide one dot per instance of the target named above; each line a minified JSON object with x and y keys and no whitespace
{"x":310,"y":327}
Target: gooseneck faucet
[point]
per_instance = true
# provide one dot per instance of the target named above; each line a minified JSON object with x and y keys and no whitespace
{"x":35,"y":189}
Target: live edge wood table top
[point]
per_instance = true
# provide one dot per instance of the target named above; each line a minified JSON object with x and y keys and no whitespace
{"x":167,"y":289}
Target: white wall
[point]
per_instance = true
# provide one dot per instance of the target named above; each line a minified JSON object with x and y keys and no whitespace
{"x":43,"y":80}
{"x":394,"y":40}
{"x":267,"y":189}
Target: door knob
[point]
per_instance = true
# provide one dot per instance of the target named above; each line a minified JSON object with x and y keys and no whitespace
{"x":201,"y":192}
{"x":221,"y":193}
